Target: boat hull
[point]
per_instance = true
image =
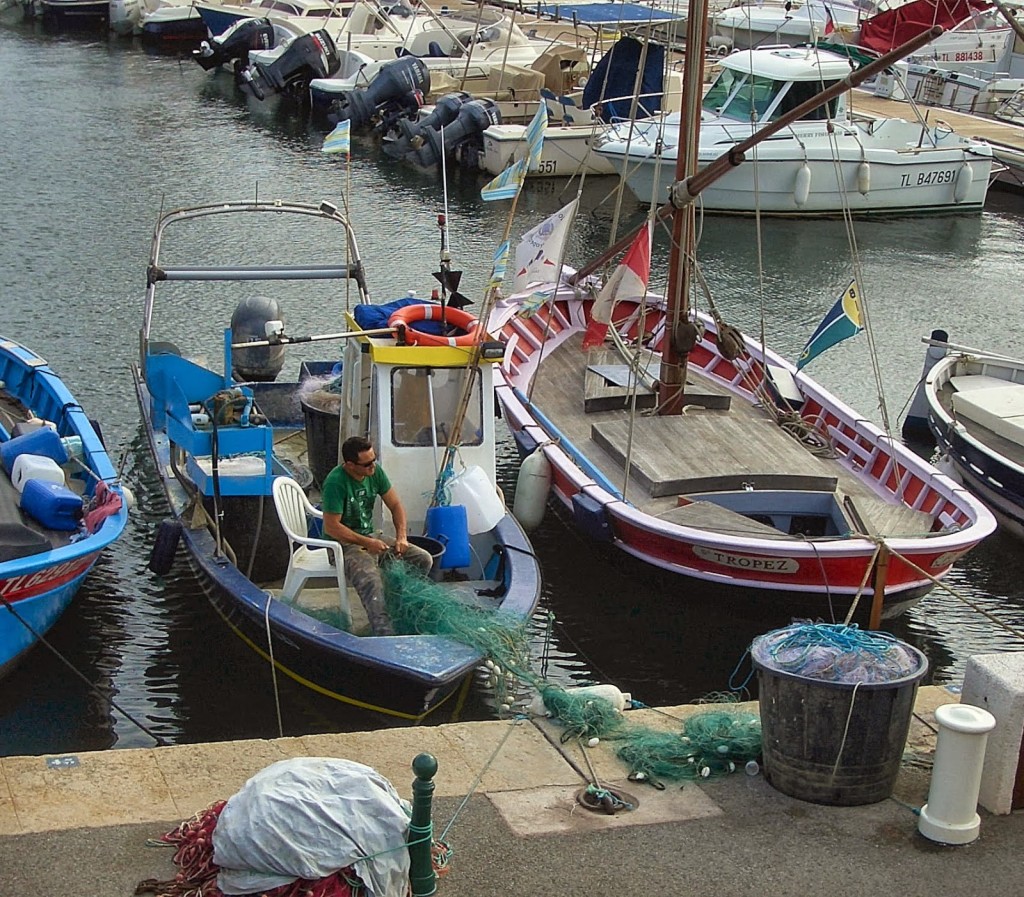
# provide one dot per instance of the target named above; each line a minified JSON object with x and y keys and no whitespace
{"x":787,"y":572}
{"x":76,"y":15}
{"x":36,"y":588}
{"x":899,"y":182}
{"x":988,"y":466}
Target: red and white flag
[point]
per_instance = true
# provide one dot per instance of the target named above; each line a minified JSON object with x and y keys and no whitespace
{"x":628,"y":281}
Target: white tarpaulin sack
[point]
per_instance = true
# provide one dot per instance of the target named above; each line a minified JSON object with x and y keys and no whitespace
{"x":307,"y":818}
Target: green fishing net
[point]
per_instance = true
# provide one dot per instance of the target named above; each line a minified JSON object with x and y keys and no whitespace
{"x":712,"y":742}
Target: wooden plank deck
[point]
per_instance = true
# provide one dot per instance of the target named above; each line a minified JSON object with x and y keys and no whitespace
{"x":678,"y":456}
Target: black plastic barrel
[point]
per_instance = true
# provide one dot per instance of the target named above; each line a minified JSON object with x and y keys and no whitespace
{"x":322,"y":415}
{"x":434,"y":548}
{"x":831,"y":742}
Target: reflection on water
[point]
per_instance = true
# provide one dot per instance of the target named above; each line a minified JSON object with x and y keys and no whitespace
{"x":126,"y":134}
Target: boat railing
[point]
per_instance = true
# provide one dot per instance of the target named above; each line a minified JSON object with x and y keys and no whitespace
{"x":256,"y":272}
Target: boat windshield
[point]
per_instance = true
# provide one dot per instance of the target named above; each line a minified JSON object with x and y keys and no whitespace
{"x":419,"y":394}
{"x":741,"y":96}
{"x":744,"y":97}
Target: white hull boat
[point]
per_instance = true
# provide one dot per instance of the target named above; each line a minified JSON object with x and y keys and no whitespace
{"x":825,"y":164}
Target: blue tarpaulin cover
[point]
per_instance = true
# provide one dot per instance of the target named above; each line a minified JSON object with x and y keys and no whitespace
{"x":607,"y":13}
{"x":614,"y":77}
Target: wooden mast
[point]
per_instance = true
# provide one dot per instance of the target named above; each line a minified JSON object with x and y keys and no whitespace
{"x":673,"y":363}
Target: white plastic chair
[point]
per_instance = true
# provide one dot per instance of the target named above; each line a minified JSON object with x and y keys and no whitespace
{"x":310,"y":558}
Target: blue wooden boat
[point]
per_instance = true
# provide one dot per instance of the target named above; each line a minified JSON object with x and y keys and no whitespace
{"x":221,"y":433}
{"x":60,"y":503}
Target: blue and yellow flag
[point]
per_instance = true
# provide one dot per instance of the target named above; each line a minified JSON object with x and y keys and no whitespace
{"x":844,"y":319}
{"x":338,"y":141}
{"x":506,"y":185}
{"x":499,"y":265}
{"x":534,"y":135}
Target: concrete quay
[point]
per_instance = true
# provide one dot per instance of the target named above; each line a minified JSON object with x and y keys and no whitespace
{"x":79,"y":825}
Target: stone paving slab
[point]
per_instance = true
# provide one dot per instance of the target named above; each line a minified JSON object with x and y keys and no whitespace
{"x":102,"y":788}
{"x":556,"y":809}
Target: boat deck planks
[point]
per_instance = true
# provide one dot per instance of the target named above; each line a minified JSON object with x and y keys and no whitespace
{"x":690,"y":447}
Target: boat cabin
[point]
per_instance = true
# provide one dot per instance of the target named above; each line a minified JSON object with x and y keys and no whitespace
{"x":761,"y":85}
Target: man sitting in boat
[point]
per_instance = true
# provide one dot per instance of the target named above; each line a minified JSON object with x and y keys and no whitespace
{"x":349,"y":493}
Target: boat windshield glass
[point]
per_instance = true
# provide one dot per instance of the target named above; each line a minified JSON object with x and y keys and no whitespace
{"x":417,"y":391}
{"x":742,"y":96}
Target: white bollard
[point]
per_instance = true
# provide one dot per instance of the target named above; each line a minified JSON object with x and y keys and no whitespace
{"x":951,"y":814}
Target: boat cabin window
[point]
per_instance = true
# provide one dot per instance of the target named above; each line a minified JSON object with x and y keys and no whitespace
{"x":424,"y":402}
{"x":800,"y":92}
{"x":737,"y":95}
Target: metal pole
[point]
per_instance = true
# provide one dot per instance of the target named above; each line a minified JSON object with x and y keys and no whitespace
{"x":422,"y":878}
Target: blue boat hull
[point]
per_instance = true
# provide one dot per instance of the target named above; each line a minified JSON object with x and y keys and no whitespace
{"x":38,"y":583}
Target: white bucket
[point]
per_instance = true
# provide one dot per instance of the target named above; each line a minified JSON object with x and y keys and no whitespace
{"x":484,"y":508}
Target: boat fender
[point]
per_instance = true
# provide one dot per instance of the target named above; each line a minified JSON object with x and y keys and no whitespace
{"x":533,"y":486}
{"x":962,"y":185}
{"x":166,"y":545}
{"x":129,"y":497}
{"x":620,"y":700}
{"x":802,"y":187}
{"x":863,"y":178}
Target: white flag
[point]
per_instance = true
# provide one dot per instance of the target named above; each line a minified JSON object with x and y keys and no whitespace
{"x":539,"y":253}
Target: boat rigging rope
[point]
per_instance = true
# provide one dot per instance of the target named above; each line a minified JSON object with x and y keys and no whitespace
{"x":273,"y":666}
{"x":104,"y":696}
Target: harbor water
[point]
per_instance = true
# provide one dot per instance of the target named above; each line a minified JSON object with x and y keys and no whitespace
{"x":99,"y":136}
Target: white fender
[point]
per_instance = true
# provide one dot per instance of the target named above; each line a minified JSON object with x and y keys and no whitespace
{"x":964,"y":179}
{"x":533,"y":486}
{"x":618,"y":699}
{"x":802,"y":188}
{"x":863,"y":178}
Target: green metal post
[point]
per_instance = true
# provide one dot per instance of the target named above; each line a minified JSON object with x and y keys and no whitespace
{"x":422,"y":878}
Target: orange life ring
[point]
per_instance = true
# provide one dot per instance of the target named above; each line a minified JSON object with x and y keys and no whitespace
{"x":411,"y":314}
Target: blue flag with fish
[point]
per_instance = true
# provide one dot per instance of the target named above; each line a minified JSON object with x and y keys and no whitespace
{"x":844,"y":319}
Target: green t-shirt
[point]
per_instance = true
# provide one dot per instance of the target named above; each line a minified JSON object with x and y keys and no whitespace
{"x":354,"y":500}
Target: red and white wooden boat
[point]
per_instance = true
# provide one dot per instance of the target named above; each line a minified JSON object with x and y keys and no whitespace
{"x":766,"y":481}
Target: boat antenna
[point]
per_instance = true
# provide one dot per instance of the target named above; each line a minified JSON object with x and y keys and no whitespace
{"x":445,"y":276}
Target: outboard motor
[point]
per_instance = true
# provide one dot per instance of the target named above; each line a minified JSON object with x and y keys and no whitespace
{"x":406,"y":135}
{"x":400,"y":84}
{"x":307,"y":57}
{"x":235,"y":43}
{"x":462,"y":139}
{"x":248,"y":324}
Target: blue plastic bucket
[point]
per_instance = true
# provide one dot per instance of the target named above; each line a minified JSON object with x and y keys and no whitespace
{"x":450,"y":526}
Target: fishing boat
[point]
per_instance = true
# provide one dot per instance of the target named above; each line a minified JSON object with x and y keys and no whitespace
{"x":828,"y":162}
{"x":973,"y":403}
{"x":60,"y":500}
{"x":222,"y":435}
{"x":691,"y":446}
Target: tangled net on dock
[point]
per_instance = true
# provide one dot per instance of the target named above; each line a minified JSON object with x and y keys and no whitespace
{"x":712,"y":743}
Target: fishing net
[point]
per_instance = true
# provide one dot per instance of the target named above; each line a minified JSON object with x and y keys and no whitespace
{"x":835,"y":652}
{"x":418,"y":605}
{"x":712,"y":743}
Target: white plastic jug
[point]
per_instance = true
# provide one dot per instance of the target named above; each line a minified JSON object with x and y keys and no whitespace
{"x":484,"y":507}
